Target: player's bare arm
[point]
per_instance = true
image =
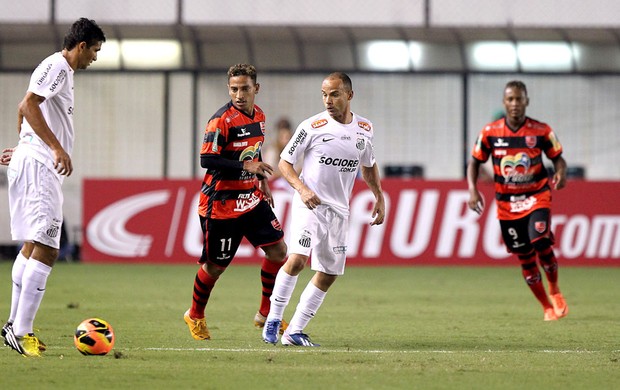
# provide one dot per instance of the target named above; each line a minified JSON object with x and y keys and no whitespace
{"x":373,"y":181}
{"x":559,"y":178}
{"x":263,"y":185}
{"x":310,"y":199}
{"x":476,"y":201}
{"x":29,"y":109}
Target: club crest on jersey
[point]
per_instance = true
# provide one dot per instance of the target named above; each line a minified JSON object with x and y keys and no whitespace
{"x":262,"y":127}
{"x":319,"y":123}
{"x":530,"y":141}
{"x":540,"y":226}
{"x":360,"y":144}
{"x":364,"y":125}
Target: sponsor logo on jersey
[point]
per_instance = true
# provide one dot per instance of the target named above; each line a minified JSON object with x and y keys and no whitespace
{"x":246,"y":202}
{"x":243,"y":132}
{"x":346,"y":165}
{"x":59,"y":79}
{"x":364,"y":125}
{"x":523,"y":205}
{"x":500,"y":143}
{"x":540,"y":226}
{"x":319,"y":123}
{"x":240,"y":144}
{"x":530,"y":141}
{"x":500,"y":152}
{"x":251,"y":151}
{"x":215,"y":137}
{"x":515,"y":169}
{"x":346,"y":138}
{"x":360,"y":144}
{"x":300,"y":138}
{"x":327,"y":139}
{"x":44,"y":75}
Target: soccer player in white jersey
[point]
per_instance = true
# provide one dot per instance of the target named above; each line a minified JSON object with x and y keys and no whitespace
{"x":335,"y":145}
{"x":36,"y":169}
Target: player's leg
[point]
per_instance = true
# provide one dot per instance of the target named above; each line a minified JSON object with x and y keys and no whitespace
{"x":264,"y":230}
{"x":221,"y":241}
{"x":543,"y":240}
{"x":328,"y":260}
{"x":302,"y":239}
{"x":515,"y":235}
{"x":35,"y":199}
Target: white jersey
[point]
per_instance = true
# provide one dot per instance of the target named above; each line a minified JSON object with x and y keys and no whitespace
{"x":332,"y":155}
{"x":53,"y":80}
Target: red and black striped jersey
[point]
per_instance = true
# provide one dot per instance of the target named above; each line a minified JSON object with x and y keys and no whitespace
{"x":233,"y":135}
{"x":521,"y":180}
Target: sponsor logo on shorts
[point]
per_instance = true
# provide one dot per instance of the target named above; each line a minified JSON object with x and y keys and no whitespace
{"x":341,"y":249}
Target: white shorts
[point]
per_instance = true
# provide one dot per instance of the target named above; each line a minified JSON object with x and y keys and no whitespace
{"x":35,"y":201}
{"x":321,"y":232}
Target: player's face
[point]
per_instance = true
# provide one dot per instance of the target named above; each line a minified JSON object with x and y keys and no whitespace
{"x":87,"y":54}
{"x":242,"y":91}
{"x":336,"y":99}
{"x":515,"y":102}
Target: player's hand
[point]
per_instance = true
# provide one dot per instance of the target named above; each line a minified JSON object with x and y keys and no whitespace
{"x":558,"y":181}
{"x":5,"y":158}
{"x":378,"y":212}
{"x":476,"y":202}
{"x":310,"y":199}
{"x":263,"y":185}
{"x":62,"y":162}
{"x":258,"y":167}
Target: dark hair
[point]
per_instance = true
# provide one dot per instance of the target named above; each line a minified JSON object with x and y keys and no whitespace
{"x":346,"y":80}
{"x":516,"y":84}
{"x":283,"y":123}
{"x":242,"y":70}
{"x":83,"y":30}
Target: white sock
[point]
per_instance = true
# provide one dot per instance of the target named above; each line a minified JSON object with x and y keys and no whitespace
{"x":16,"y":275}
{"x":33,"y":289}
{"x":309,"y":302}
{"x":281,"y":295}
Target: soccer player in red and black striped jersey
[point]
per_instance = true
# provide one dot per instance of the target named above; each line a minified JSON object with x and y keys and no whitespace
{"x":235,"y":199}
{"x":516,"y":144}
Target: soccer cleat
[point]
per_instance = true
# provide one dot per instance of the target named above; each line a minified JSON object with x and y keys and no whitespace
{"x":270,"y":331}
{"x":9,"y":325}
{"x":550,"y":315}
{"x":559,"y":305}
{"x":27,"y":345}
{"x":298,"y":339}
{"x":197,"y":328}
{"x":259,"y":322}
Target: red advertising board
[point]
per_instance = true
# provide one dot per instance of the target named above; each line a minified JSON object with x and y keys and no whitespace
{"x":428,"y":223}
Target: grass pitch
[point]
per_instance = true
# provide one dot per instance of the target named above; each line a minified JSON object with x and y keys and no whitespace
{"x":380,"y":328}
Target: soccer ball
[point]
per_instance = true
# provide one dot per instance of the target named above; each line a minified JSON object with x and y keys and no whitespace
{"x":94,"y":336}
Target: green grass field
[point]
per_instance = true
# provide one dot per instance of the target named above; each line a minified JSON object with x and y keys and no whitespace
{"x":380,"y":328}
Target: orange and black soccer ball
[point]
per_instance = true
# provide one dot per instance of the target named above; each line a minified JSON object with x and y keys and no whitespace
{"x":94,"y":336}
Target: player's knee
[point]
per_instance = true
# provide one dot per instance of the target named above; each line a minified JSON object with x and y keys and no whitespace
{"x":276,"y":253}
{"x":542,"y":244}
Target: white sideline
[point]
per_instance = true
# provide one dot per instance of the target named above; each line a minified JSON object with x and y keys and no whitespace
{"x":323,"y":350}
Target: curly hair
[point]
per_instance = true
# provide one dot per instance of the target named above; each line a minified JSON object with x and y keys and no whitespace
{"x":83,"y":30}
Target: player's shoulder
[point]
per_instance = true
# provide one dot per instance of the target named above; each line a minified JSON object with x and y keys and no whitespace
{"x":535,"y":124}
{"x":496,"y":125}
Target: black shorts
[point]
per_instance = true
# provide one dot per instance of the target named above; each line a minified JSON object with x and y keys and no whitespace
{"x":222,"y":237}
{"x":519,"y":234}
